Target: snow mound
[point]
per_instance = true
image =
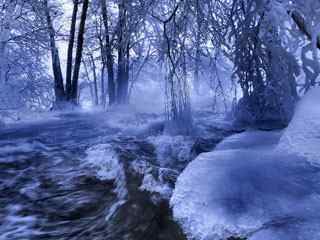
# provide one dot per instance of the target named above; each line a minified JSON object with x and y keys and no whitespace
{"x":302,"y":136}
{"x":251,"y":140}
{"x":257,"y":192}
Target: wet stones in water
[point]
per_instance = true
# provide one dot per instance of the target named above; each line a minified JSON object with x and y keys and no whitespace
{"x":140,"y":217}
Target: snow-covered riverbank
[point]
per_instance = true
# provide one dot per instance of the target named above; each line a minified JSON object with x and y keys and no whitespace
{"x":254,"y":187}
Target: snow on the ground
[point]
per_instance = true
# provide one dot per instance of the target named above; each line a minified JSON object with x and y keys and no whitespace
{"x":250,"y":186}
{"x":14,"y":117}
{"x":251,"y":140}
{"x":302,"y":137}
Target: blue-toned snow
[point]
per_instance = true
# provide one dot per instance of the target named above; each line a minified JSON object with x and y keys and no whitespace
{"x":254,"y":187}
{"x":303,"y":134}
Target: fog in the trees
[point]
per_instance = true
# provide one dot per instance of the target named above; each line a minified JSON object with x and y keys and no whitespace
{"x":120,"y":119}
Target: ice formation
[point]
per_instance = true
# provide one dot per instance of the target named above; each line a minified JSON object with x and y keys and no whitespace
{"x":253,"y":187}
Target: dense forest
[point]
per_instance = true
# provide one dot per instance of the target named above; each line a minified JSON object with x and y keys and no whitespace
{"x":200,"y":117}
{"x":259,"y":56}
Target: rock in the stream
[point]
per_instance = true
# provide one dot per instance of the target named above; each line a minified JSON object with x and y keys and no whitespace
{"x":141,"y":217}
{"x":149,"y":180}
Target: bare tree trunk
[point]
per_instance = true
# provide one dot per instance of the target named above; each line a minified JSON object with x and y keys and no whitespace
{"x":95,"y":82}
{"x":103,"y":88}
{"x":92,"y":94}
{"x":2,"y":61}
{"x":75,"y":78}
{"x":58,"y":79}
{"x":310,"y":75}
{"x":109,"y":57}
{"x":70,"y":47}
{"x":300,"y":21}
{"x":122,"y":81}
{"x":5,"y":28}
{"x":121,"y":76}
{"x":135,"y":76}
{"x":126,"y":75}
{"x":95,"y":85}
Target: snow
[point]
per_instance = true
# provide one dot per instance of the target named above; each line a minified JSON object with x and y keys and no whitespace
{"x":24,"y":117}
{"x":251,"y":140}
{"x":253,"y":187}
{"x":302,"y":137}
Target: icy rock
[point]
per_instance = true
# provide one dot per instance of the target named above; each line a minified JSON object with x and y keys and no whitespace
{"x":251,"y":192}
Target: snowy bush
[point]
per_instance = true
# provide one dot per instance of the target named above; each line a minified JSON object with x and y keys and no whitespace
{"x":265,"y":70}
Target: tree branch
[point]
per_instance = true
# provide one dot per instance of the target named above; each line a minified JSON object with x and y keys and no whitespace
{"x":300,"y":21}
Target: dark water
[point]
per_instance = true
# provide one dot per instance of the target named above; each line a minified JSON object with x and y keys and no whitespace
{"x":45,"y":191}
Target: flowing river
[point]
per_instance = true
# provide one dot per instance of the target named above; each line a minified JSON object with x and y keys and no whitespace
{"x":47,"y":190}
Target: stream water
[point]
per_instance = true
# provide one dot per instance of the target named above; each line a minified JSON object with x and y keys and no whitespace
{"x":49,"y":191}
{"x":45,"y":191}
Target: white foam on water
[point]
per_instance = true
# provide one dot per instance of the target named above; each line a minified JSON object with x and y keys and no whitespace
{"x":17,"y":226}
{"x":104,"y":161}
